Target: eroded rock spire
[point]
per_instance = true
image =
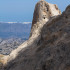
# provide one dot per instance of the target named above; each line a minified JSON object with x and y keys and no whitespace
{"x":35,"y":53}
{"x":43,"y":11}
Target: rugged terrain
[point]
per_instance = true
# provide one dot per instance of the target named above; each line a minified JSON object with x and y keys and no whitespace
{"x":48,"y":47}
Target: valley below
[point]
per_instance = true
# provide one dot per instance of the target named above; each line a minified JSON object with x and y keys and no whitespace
{"x":7,"y":45}
{"x":12,"y":35}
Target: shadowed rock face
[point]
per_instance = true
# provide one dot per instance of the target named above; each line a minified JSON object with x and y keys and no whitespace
{"x":48,"y":48}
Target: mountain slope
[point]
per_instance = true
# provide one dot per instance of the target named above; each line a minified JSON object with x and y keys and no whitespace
{"x":48,"y":47}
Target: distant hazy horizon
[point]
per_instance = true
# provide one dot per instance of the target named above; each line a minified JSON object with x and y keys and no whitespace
{"x":22,"y":10}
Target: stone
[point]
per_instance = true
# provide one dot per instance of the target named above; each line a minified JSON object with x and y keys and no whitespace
{"x":48,"y":47}
{"x":44,"y":10}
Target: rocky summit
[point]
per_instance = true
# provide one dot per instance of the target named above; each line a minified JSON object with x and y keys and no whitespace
{"x":48,"y":47}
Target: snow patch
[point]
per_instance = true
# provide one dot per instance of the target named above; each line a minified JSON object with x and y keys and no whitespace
{"x":15,"y":22}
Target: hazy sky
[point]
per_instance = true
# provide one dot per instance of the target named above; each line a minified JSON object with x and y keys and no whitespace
{"x":22,"y":10}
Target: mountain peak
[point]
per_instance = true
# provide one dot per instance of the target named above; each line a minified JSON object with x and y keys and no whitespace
{"x":44,"y":10}
{"x":48,"y":47}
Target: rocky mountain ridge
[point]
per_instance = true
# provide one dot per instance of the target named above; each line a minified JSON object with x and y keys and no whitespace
{"x":48,"y":47}
{"x":13,"y":30}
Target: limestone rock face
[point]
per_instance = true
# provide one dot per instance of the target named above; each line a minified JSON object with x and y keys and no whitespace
{"x":48,"y":47}
{"x":44,"y":10}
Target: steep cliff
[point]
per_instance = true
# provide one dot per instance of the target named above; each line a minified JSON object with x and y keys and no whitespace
{"x":43,"y":12}
{"x":48,"y":47}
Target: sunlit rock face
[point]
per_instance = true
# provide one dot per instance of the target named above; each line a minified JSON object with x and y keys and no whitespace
{"x":44,"y":10}
{"x":48,"y":47}
{"x":42,"y":13}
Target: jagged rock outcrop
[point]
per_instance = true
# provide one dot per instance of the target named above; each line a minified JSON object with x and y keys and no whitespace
{"x":43,"y":12}
{"x":48,"y":47}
